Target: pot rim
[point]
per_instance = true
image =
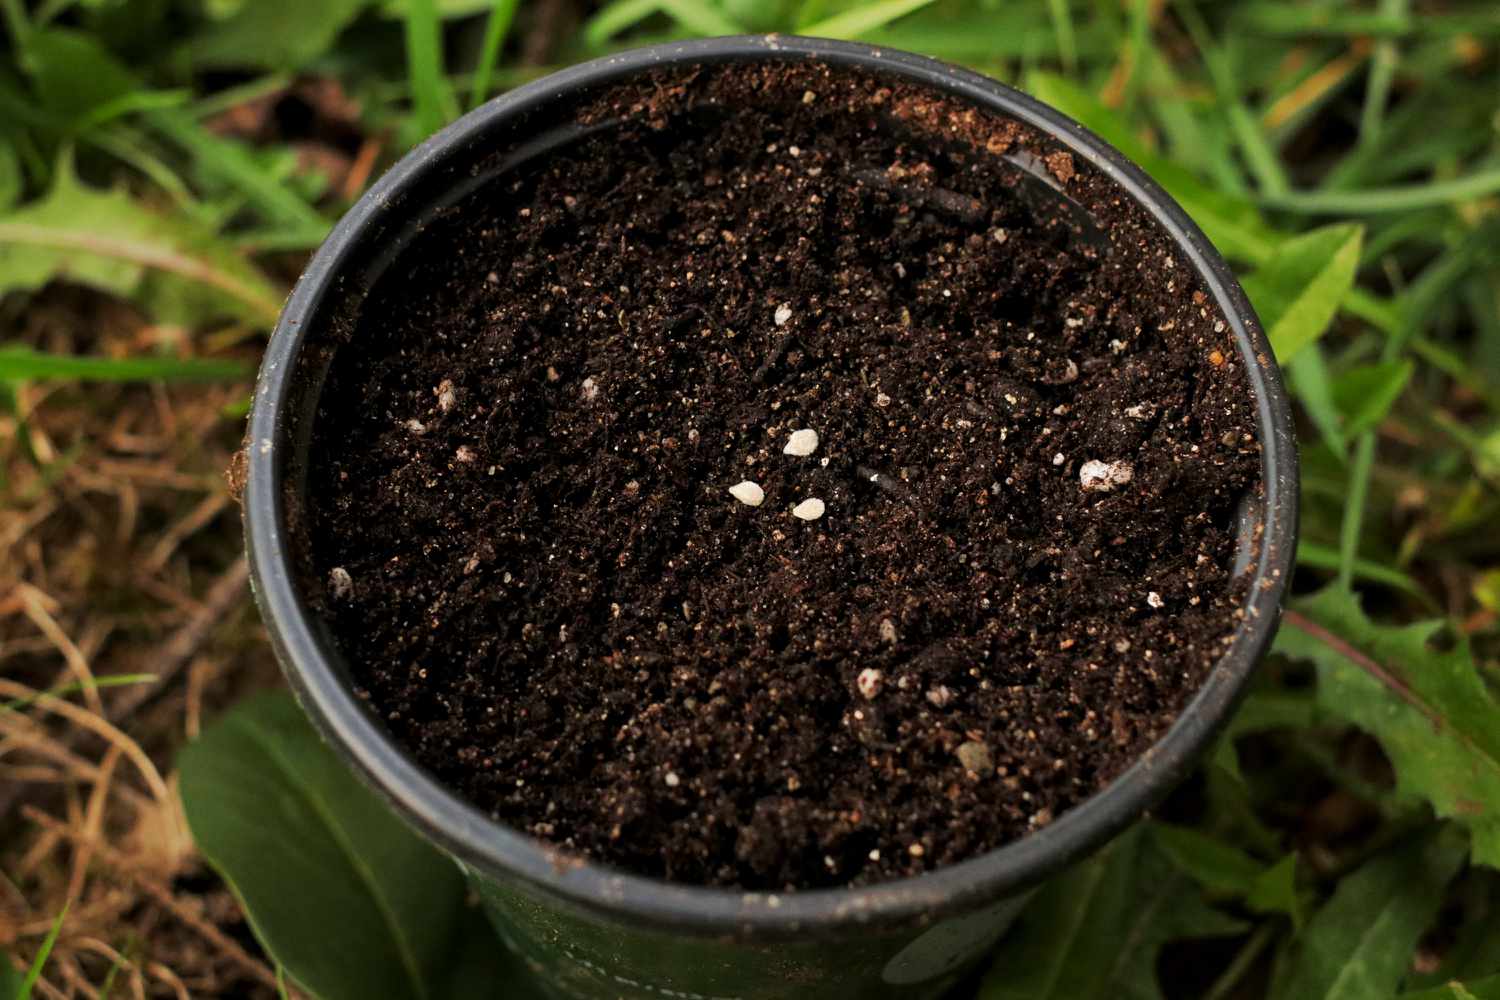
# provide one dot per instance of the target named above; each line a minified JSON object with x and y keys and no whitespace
{"x":490,"y":849}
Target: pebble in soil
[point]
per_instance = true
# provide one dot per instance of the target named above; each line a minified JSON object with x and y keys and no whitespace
{"x":535,"y":463}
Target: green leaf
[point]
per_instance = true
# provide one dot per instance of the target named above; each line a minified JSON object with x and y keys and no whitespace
{"x":273,"y":34}
{"x":10,"y":980}
{"x":696,"y":16}
{"x":863,"y":19}
{"x":1309,"y":380}
{"x":339,"y":890}
{"x":1275,"y":891}
{"x":1479,"y":989}
{"x":73,"y":74}
{"x":1364,"y":395}
{"x":23,"y":989}
{"x":431,"y":92}
{"x":106,"y":240}
{"x":1360,"y":944}
{"x":1096,"y":930}
{"x":11,"y":180}
{"x":1215,"y":864}
{"x":1428,"y":707}
{"x":1297,"y":292}
{"x":19,"y":362}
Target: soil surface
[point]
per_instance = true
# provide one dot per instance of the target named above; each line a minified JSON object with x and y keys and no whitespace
{"x":1031,"y":438}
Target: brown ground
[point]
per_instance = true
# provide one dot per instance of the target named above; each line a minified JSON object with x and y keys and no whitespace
{"x":119,"y":554}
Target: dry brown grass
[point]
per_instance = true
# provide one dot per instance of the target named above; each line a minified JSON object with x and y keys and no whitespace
{"x":119,"y":554}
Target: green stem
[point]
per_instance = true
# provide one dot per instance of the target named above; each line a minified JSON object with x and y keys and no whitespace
{"x":1399,"y":198}
{"x":1224,"y":986}
{"x":496,"y":28}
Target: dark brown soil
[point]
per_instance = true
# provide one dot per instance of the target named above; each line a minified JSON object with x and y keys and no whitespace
{"x":520,"y":484}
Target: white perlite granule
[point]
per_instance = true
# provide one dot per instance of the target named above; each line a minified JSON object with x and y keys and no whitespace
{"x":782,"y":314}
{"x":748,"y":493}
{"x":1101,"y":477}
{"x":340,"y":584}
{"x":809,"y":510}
{"x":1154,"y":599}
{"x":803,"y":442}
{"x":869,"y":682}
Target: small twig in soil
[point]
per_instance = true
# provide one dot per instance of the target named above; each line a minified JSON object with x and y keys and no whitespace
{"x":954,"y":204}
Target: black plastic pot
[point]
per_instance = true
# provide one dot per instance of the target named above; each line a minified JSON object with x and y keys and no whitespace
{"x":592,"y":932}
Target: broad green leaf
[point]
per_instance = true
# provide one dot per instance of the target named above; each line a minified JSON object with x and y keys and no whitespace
{"x":1275,"y":891}
{"x":1224,"y":868}
{"x":864,"y":19}
{"x":1364,"y":395}
{"x":1234,"y":225}
{"x":1429,"y":708}
{"x":19,"y":362}
{"x":273,"y":34}
{"x":1095,"y":932}
{"x":10,"y":980}
{"x":106,"y":240}
{"x":1478,"y":989}
{"x":1297,"y":292}
{"x":343,"y":894}
{"x":72,"y":73}
{"x":1215,"y":864}
{"x":1361,"y":943}
{"x":11,"y":179}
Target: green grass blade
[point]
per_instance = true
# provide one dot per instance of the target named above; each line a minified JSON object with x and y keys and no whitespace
{"x":1067,"y":37}
{"x":73,"y":687}
{"x":1354,"y":507}
{"x":1397,"y":198}
{"x":435,"y":103}
{"x":129,"y":104}
{"x":696,"y":16}
{"x":1382,"y":74}
{"x":861,"y":20}
{"x":222,"y":158}
{"x":1317,"y":556}
{"x":20,"y":363}
{"x":496,"y":28}
{"x":35,"y":972}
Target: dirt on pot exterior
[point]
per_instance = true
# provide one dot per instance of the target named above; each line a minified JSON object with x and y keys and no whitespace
{"x":778,"y":488}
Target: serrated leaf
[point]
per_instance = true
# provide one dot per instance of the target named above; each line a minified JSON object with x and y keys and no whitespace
{"x":1361,"y":943}
{"x":1297,"y":292}
{"x":1364,"y":395}
{"x":106,"y":240}
{"x":1096,"y":930}
{"x":342,"y":893}
{"x":273,"y":34}
{"x":1481,"y":989}
{"x":1431,"y":711}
